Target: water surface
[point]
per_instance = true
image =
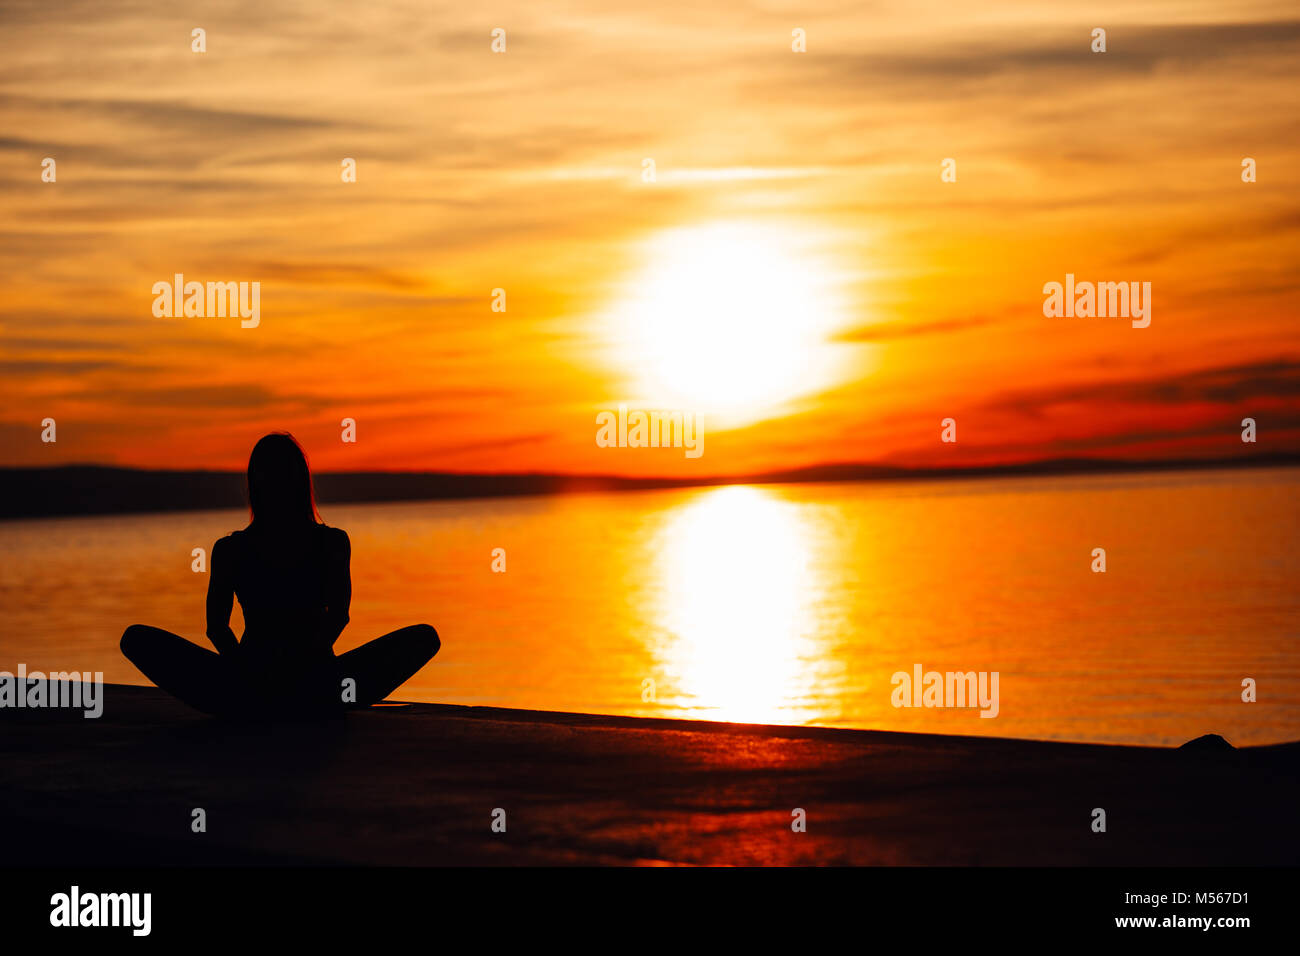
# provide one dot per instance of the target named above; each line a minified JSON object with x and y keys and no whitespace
{"x":784,"y":604}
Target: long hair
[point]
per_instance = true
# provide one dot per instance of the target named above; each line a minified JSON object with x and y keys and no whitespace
{"x":280,"y":489}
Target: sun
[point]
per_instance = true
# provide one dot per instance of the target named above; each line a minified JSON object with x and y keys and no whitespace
{"x":730,"y":320}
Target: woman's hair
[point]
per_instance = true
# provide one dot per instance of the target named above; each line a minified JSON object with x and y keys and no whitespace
{"x":279,"y":482}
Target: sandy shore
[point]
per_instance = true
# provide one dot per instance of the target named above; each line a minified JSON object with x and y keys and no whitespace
{"x":417,"y":784}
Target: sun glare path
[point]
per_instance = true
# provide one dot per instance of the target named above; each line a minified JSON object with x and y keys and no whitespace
{"x":739,"y":598}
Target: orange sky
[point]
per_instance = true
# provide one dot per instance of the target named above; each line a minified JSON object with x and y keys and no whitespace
{"x":798,"y":274}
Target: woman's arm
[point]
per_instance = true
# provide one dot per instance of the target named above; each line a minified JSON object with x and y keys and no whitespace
{"x":221,"y":600}
{"x":338,"y":590}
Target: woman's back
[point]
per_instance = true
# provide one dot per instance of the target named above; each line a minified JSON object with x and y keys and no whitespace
{"x":292,"y":584}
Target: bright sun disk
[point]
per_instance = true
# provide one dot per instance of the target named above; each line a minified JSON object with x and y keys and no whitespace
{"x":729,"y":320}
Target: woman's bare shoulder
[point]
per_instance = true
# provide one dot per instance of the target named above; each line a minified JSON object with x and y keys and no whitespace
{"x":336,"y":539}
{"x":229,"y":543}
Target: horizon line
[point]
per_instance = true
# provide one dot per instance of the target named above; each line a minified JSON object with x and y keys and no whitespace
{"x":41,"y":491}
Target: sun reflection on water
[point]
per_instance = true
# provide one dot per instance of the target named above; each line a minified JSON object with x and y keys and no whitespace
{"x":738,"y":595}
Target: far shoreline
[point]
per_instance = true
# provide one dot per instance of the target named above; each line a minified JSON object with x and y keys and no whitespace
{"x":82,"y":490}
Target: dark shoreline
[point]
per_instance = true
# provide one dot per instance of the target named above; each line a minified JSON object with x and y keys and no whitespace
{"x":71,"y":490}
{"x":417,"y":785}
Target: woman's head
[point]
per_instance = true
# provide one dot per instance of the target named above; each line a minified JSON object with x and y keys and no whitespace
{"x":279,"y":482}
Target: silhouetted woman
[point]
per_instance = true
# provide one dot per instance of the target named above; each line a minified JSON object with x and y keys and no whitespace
{"x":290,"y":573}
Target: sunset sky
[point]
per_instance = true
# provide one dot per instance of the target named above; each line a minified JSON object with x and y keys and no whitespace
{"x":798,"y":274}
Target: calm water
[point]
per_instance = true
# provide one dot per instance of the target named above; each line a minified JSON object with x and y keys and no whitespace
{"x":788,"y":604}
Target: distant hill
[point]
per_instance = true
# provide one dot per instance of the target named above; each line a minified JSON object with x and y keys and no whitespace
{"x":98,"y":489}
